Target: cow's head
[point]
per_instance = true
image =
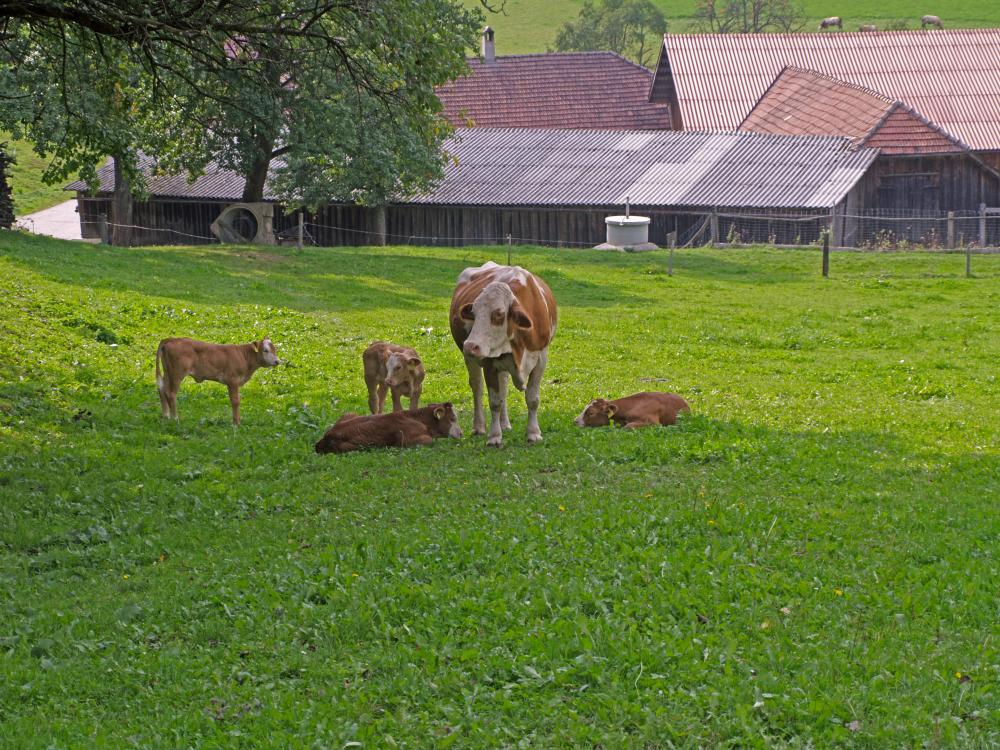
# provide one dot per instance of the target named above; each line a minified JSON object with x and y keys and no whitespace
{"x":266,"y":356}
{"x":445,"y":421}
{"x":597,"y":414}
{"x":495,"y":315}
{"x":400,"y":367}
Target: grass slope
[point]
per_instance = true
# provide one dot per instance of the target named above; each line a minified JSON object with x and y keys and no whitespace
{"x":30,"y":193}
{"x":808,"y":561}
{"x":531,"y":25}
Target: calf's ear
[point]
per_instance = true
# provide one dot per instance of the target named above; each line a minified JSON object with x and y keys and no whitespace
{"x":612,"y":410}
{"x":256,"y":347}
{"x":520,"y":318}
{"x":439,"y":412}
{"x":413,"y":361}
{"x":466,"y":312}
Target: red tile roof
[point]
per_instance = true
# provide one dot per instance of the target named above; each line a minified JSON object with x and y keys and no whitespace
{"x":804,"y":102}
{"x":596,"y":90}
{"x":952,"y":77}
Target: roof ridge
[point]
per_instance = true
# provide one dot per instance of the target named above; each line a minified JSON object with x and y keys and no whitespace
{"x":847,"y":84}
{"x":840,"y":34}
{"x":579,"y":53}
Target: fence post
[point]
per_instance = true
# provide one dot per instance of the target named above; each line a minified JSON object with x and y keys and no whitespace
{"x":301,"y":227}
{"x":714,"y":224}
{"x":951,"y":229}
{"x":968,"y":261}
{"x":826,"y":254}
{"x":508,"y":249}
{"x":102,"y":228}
{"x":672,"y":243}
{"x":982,"y":225}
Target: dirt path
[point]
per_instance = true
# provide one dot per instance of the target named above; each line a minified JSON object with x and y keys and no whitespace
{"x":60,"y":221}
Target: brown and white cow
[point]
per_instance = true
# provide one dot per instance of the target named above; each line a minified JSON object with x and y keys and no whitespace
{"x":400,"y":429}
{"x":640,"y":410}
{"x":230,"y":364}
{"x":503,"y":318}
{"x":395,"y":368}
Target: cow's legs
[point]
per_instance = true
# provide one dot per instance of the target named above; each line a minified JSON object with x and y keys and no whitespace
{"x":532,"y":397}
{"x":495,"y":440}
{"x":415,"y":399}
{"x":234,"y":400}
{"x":476,"y":385}
{"x":397,"y":404}
{"x":504,"y":419}
{"x":164,"y":401}
{"x":372,"y":398}
{"x":171,"y":395}
{"x":382,"y":390}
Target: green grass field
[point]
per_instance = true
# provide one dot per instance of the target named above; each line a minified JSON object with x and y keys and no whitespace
{"x":810,"y":560}
{"x":531,"y":25}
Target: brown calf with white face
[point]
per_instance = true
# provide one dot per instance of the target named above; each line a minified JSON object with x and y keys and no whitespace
{"x":395,"y":368}
{"x":399,"y":429}
{"x":503,"y":318}
{"x":640,"y":410}
{"x":230,"y":364}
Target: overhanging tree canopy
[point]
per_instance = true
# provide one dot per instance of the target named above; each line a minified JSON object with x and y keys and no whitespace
{"x":342,"y":91}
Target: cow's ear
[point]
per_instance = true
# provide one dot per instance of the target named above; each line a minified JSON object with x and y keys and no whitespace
{"x":612,"y":410}
{"x":413,"y":361}
{"x":466,"y":312}
{"x":520,"y":318}
{"x":439,"y":412}
{"x":256,"y":347}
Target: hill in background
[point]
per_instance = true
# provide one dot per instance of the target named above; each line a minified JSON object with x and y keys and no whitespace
{"x":531,"y":25}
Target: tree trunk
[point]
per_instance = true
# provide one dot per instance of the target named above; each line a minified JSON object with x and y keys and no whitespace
{"x":253,"y":190}
{"x":121,"y":208}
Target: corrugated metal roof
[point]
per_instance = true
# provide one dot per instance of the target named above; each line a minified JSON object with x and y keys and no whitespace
{"x":554,"y":90}
{"x":524,"y":167}
{"x":217,"y":183}
{"x":529,"y":167}
{"x":804,"y":102}
{"x":952,"y":77}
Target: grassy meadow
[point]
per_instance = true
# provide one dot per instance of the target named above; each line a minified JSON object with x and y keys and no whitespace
{"x":25,"y":178}
{"x":531,"y":25}
{"x":809,"y":560}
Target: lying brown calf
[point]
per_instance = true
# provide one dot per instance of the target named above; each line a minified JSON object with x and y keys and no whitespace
{"x":640,"y":410}
{"x":399,"y":429}
{"x":229,"y":364}
{"x":392,"y":367}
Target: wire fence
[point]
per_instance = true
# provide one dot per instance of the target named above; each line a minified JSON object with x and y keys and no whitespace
{"x":978,"y":231}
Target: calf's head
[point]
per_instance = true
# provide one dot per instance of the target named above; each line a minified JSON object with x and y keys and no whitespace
{"x":495,"y":315}
{"x":445,"y":421}
{"x":266,"y":356}
{"x":401,"y":367}
{"x":597,"y":414}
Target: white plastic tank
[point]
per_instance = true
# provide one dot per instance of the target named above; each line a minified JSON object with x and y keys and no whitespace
{"x":627,"y":231}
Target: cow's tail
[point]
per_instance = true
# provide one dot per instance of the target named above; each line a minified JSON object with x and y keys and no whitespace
{"x":159,"y":377}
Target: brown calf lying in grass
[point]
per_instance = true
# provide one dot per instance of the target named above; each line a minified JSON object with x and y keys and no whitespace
{"x":392,"y":367}
{"x":640,"y":410}
{"x":399,"y":429}
{"x":230,"y":364}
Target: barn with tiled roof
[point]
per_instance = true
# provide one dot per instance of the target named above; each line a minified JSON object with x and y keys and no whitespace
{"x":921,"y":167}
{"x":578,"y":90}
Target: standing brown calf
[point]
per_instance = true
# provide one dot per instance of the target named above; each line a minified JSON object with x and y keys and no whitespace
{"x":229,"y":364}
{"x":388,"y":366}
{"x":640,"y":410}
{"x":400,"y":429}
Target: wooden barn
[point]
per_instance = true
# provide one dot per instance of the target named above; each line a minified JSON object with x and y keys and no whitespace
{"x":951,"y":77}
{"x":557,"y":187}
{"x":921,"y":171}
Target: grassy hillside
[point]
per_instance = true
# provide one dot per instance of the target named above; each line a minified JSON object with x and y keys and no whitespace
{"x":810,"y":560}
{"x":531,"y":25}
{"x":30,"y":193}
